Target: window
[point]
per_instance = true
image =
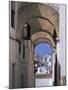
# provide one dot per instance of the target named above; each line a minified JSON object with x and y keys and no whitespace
{"x":19,"y":47}
{"x":13,"y":14}
{"x":12,"y":19}
{"x":23,"y":51}
{"x":26,"y":34}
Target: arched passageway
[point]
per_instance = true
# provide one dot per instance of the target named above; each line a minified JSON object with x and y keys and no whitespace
{"x":37,"y":32}
{"x":43,"y":65}
{"x":43,"y":45}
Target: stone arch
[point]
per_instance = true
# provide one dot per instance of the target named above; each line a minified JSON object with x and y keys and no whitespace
{"x":45,"y":35}
{"x":42,"y":40}
{"x":41,"y":23}
{"x":42,"y":12}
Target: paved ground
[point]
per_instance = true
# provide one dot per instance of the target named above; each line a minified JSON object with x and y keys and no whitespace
{"x":43,"y":82}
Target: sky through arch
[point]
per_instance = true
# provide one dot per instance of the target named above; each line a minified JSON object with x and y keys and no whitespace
{"x":43,"y":49}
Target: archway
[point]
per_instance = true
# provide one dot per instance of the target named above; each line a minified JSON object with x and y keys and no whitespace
{"x":46,"y":40}
{"x":42,"y":29}
{"x":36,"y":24}
{"x":43,"y":64}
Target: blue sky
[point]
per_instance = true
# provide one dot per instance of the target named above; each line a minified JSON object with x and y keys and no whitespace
{"x":43,"y":49}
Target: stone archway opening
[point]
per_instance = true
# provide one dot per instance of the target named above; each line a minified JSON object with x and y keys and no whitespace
{"x":36,"y":23}
{"x":43,"y":73}
{"x":43,"y":64}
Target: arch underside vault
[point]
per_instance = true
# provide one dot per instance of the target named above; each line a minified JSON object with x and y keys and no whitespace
{"x":43,"y":21}
{"x":40,"y":17}
{"x":39,"y":37}
{"x":32,"y":24}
